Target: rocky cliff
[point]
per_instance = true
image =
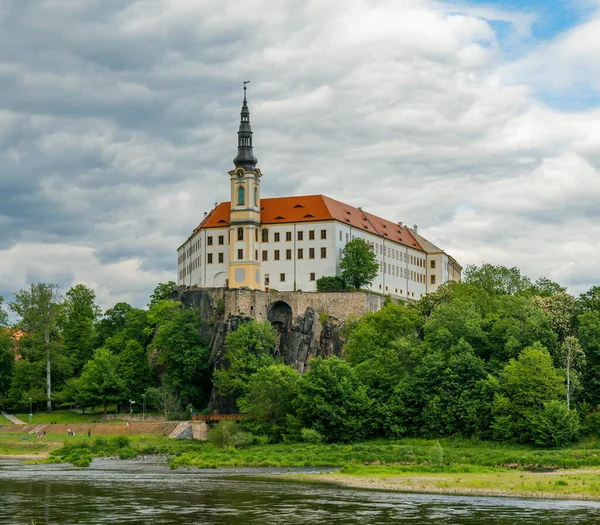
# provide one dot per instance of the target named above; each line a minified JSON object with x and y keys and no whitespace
{"x":300,"y":337}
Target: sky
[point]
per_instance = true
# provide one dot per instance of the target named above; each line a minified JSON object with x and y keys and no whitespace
{"x":477,"y":121}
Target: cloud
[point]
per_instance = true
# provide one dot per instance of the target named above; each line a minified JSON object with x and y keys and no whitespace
{"x":118,"y":124}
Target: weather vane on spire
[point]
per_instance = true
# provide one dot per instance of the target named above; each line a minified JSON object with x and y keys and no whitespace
{"x":245,"y":82}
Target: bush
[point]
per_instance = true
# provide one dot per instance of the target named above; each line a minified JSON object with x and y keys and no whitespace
{"x":436,"y":455}
{"x":310,"y":435}
{"x":329,"y":283}
{"x":127,"y":453}
{"x":119,"y":441}
{"x":555,"y":425}
{"x":228,"y":433}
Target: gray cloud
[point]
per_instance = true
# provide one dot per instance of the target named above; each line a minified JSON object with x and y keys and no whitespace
{"x":118,"y":124}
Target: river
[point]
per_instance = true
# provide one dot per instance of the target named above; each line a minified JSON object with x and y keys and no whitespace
{"x":134,"y":492}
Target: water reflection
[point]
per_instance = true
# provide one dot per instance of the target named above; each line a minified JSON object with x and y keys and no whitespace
{"x":140,"y":493}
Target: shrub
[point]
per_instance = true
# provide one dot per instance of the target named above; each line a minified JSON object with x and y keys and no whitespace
{"x":228,"y":433}
{"x":555,"y":425}
{"x":127,"y":453}
{"x":436,"y":455}
{"x":310,"y":435}
{"x":330,"y":283}
{"x":119,"y":441}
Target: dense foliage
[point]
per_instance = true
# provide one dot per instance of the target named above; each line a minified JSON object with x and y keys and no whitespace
{"x":496,"y":357}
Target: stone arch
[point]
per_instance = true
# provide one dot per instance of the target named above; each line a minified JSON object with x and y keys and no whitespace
{"x":279,"y":315}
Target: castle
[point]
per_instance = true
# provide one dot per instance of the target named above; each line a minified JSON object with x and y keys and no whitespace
{"x":287,"y":243}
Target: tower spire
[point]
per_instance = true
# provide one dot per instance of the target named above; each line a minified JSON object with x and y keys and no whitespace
{"x":245,"y":157}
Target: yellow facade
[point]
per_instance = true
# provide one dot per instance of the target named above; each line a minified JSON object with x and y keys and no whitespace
{"x":244,"y":266}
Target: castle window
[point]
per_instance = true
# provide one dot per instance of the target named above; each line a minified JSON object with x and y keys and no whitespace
{"x":209,"y":258}
{"x":276,"y":236}
{"x":221,"y":240}
{"x":300,"y":235}
{"x":311,"y":235}
{"x":323,"y":234}
{"x":221,"y":257}
{"x":265,"y":255}
{"x":288,"y":236}
{"x":432,"y":265}
{"x":276,"y":255}
{"x":282,"y":277}
{"x":311,"y":253}
{"x":240,"y":254}
{"x":267,"y":279}
{"x":209,"y":241}
{"x":323,"y":253}
{"x":288,"y":254}
{"x":265,"y":235}
{"x":312,"y":276}
{"x":300,"y":253}
{"x":240,"y":234}
{"x":241,"y":195}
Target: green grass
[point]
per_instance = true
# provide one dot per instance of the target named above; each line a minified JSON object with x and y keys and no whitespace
{"x":409,"y":452}
{"x":61,"y":417}
{"x":4,"y":421}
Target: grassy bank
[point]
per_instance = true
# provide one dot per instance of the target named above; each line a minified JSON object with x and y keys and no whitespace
{"x":61,"y":417}
{"x":413,"y":453}
{"x":561,"y":484}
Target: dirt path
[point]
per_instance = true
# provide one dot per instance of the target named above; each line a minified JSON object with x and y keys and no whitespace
{"x":12,"y":419}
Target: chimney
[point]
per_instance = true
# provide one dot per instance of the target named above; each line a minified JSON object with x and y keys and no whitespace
{"x":400,"y":224}
{"x":415,"y":228}
{"x":205,"y":214}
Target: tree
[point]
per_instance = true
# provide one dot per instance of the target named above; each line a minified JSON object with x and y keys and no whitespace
{"x":3,"y":314}
{"x":526,"y":385}
{"x":560,"y":309}
{"x":7,"y":362}
{"x":269,"y":397}
{"x":77,"y":321}
{"x":162,"y":292}
{"x":555,"y":426}
{"x":546,"y":288}
{"x":247,"y":349}
{"x":572,"y":360}
{"x":166,"y":400}
{"x":497,"y":280}
{"x":178,"y":351}
{"x":100,"y":382}
{"x":39,"y":309}
{"x":359,"y":265}
{"x":588,"y":334}
{"x":333,"y":401}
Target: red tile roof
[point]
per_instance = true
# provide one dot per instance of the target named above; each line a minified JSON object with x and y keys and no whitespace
{"x":310,"y":208}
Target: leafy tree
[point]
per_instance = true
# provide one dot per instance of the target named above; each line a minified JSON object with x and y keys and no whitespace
{"x":39,"y":309}
{"x":269,"y":397}
{"x":179,"y":352}
{"x":3,"y":314}
{"x":497,"y":280}
{"x":248,"y":349}
{"x":560,"y":309}
{"x":447,"y":394}
{"x":100,"y":382}
{"x":162,"y":292}
{"x":330,"y":283}
{"x":28,"y":381}
{"x":359,"y":264}
{"x":588,"y":301}
{"x":112,"y":322}
{"x":332,"y":400}
{"x":526,"y":385}
{"x":134,"y":370}
{"x":77,"y":324}
{"x":7,"y":361}
{"x":588,"y":334}
{"x":546,"y":288}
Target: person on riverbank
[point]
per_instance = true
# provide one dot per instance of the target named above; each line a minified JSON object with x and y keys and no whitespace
{"x":69,"y":433}
{"x":89,"y":433}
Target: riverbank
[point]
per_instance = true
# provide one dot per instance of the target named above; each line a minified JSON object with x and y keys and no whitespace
{"x":576,"y":484}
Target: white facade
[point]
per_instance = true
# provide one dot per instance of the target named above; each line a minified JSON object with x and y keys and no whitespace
{"x":293,"y":256}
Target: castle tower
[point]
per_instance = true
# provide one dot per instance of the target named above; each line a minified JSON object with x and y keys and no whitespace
{"x":244,"y":265}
